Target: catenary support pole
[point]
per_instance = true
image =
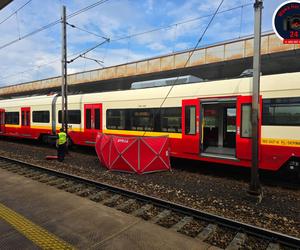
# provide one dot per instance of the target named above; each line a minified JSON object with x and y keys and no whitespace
{"x":255,"y":187}
{"x":64,"y":89}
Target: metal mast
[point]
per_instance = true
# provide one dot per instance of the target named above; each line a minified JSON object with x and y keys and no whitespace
{"x":64,"y":89}
{"x":255,"y":187}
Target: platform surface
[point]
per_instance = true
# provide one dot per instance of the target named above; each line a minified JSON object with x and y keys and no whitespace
{"x":75,"y":221}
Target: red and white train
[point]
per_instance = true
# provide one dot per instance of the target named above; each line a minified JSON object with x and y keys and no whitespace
{"x":207,"y":121}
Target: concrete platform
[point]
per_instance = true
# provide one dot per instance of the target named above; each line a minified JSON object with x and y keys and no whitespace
{"x":73,"y":221}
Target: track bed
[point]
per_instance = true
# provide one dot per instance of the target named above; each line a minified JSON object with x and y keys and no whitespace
{"x":279,"y":210}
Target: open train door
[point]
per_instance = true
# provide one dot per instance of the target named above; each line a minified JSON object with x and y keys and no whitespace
{"x":93,"y":122}
{"x":25,"y":121}
{"x":244,"y":127}
{"x":2,"y":121}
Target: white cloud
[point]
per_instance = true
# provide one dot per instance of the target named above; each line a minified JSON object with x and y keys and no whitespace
{"x":157,"y":46}
{"x":114,"y":19}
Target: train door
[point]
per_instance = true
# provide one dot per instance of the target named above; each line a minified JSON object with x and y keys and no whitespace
{"x":190,"y":126}
{"x":218,"y":127}
{"x":244,"y":127}
{"x":2,"y":121}
{"x":25,"y":121}
{"x":93,"y":122}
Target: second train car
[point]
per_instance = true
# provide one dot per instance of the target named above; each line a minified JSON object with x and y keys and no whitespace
{"x":207,"y":121}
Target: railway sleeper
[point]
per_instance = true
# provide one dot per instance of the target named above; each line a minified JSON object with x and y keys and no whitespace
{"x":56,"y":182}
{"x":31,"y":174}
{"x":207,"y":232}
{"x":273,"y":246}
{"x":237,"y":242}
{"x":74,"y":189}
{"x":9,"y":166}
{"x":165,"y":213}
{"x":111,"y":200}
{"x":99,"y":196}
{"x":40,"y":176}
{"x":15,"y":169}
{"x":178,"y":226}
{"x":126,"y":204}
{"x":4,"y":166}
{"x":142,"y":210}
{"x":47,"y":179}
{"x":65,"y":184}
{"x":23,"y":172}
{"x":50,"y":180}
{"x":85,"y":192}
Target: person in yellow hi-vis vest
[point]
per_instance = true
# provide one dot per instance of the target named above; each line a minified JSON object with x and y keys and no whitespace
{"x":61,"y":144}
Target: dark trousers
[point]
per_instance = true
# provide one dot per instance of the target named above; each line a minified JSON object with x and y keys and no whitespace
{"x":61,"y":151}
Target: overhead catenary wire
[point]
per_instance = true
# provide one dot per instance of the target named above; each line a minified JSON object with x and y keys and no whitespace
{"x":101,"y":63}
{"x":149,"y":31}
{"x":87,"y":31}
{"x":83,"y":55}
{"x":86,"y":8}
{"x":15,"y":12}
{"x":18,"y":25}
{"x":178,"y":23}
{"x":241,"y":21}
{"x":192,"y":52}
{"x":47,"y":26}
{"x":114,"y":39}
{"x":87,"y":51}
{"x":117,"y":38}
{"x":37,"y":67}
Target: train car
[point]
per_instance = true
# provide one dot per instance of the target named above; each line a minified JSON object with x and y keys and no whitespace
{"x":207,"y":121}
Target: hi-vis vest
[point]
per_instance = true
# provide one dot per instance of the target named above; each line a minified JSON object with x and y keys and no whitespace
{"x":62,"y":138}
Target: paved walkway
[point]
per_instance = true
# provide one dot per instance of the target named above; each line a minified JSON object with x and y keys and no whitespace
{"x":34,"y":215}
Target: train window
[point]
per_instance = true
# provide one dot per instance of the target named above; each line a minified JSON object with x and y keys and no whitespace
{"x":97,"y":118}
{"x":115,"y":119}
{"x":170,"y":120}
{"x":23,"y":118}
{"x":246,"y":126}
{"x":142,"y":119}
{"x":190,"y":120}
{"x":88,"y":119}
{"x":281,"y":111}
{"x":12,"y":118}
{"x":41,"y":116}
{"x":74,"y":116}
{"x":27,"y":120}
{"x":231,"y":120}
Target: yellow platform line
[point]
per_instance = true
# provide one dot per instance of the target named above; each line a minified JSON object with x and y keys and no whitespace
{"x":31,"y":231}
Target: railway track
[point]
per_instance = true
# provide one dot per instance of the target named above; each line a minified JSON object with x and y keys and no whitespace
{"x":219,"y":231}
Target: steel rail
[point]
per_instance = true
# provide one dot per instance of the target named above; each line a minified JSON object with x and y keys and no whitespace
{"x":248,"y":229}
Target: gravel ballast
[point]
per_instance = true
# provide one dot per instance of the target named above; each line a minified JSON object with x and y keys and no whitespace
{"x":224,"y":196}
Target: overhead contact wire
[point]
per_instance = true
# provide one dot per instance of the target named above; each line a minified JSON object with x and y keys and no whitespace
{"x":179,"y":23}
{"x":53,"y":24}
{"x":194,"y":49}
{"x":16,"y":11}
{"x":113,"y":39}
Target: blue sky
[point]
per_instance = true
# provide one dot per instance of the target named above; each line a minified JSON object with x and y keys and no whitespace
{"x":38,"y":56}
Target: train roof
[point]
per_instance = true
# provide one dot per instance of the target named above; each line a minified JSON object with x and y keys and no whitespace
{"x":230,"y":87}
{"x":288,"y":83}
{"x":24,"y":101}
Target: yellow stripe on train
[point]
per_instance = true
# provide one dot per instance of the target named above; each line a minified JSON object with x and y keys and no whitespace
{"x":143,"y":133}
{"x":280,"y":142}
